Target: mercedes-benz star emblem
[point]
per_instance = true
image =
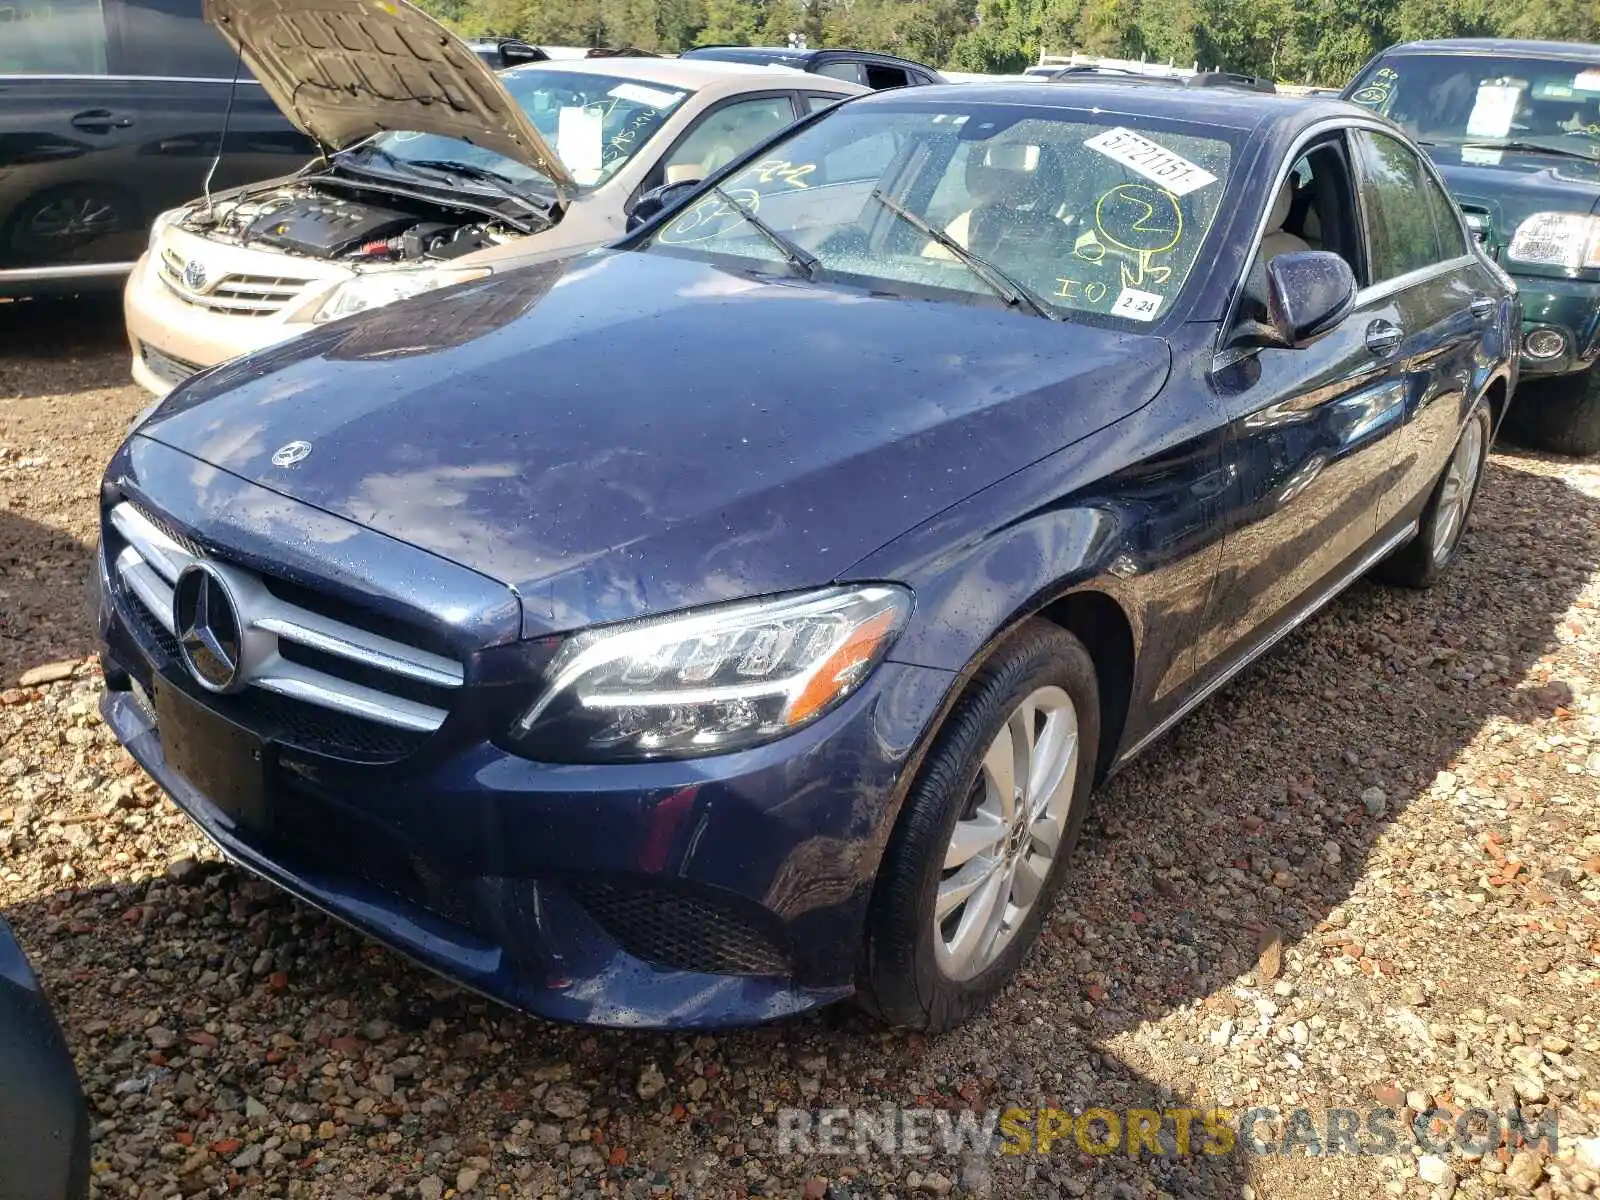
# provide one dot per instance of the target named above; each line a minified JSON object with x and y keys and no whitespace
{"x":208,"y":631}
{"x":194,"y":274}
{"x":288,"y":455}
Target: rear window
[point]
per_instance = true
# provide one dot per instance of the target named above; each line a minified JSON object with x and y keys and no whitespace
{"x":1100,"y":216}
{"x":1488,"y":101}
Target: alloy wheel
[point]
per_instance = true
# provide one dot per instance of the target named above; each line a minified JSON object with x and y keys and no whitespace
{"x":1455,"y":493}
{"x":73,"y":217}
{"x":1005,"y":843}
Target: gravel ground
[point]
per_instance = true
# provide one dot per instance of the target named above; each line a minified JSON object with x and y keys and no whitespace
{"x":1367,"y":874}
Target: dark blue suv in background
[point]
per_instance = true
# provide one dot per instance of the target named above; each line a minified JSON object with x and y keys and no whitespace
{"x":739,"y":617}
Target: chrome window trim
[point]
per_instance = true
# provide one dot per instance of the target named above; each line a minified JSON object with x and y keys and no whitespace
{"x":141,"y":78}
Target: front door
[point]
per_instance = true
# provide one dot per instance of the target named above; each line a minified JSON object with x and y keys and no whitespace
{"x":1311,"y":431}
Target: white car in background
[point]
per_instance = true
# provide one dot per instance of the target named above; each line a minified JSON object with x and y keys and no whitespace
{"x":437,"y":170}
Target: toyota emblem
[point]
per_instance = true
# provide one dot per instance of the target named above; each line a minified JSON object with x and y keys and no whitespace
{"x":194,"y":274}
{"x":210,"y":638}
{"x":290,"y":453}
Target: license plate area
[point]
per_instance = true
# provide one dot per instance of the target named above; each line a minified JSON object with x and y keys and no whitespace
{"x":225,"y":762}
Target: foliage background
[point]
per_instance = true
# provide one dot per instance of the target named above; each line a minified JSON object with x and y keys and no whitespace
{"x":1293,"y":41}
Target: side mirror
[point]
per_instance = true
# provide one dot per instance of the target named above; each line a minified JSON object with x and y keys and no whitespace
{"x":1309,"y":292}
{"x":515,"y":53}
{"x":658,"y":200}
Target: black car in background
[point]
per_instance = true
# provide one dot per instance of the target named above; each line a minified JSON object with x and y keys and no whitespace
{"x":112,"y":111}
{"x":877,"y":71}
{"x":44,"y":1121}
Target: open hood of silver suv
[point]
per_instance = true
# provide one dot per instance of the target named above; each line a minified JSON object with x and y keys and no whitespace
{"x":343,"y":70}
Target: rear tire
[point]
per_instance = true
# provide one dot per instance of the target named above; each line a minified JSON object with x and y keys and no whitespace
{"x":1422,"y":561}
{"x":1560,"y":415}
{"x":1027,"y":729}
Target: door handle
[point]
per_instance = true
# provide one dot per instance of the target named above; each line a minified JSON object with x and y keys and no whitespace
{"x":1383,"y":336}
{"x":100,"y":120}
{"x":1481,"y":306}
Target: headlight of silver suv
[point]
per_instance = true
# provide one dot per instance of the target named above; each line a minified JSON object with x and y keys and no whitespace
{"x":711,"y":680}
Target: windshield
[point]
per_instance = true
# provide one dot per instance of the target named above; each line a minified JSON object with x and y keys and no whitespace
{"x":594,"y":123}
{"x":1097,"y":216}
{"x":1488,"y":101}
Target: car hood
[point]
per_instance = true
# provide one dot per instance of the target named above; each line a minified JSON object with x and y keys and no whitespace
{"x":343,"y":70}
{"x":1512,"y":186}
{"x":629,"y":433}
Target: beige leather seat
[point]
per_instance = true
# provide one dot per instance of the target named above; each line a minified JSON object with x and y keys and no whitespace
{"x":1277,"y":241}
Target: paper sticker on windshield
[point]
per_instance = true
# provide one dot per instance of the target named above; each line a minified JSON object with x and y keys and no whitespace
{"x":1587,"y":81}
{"x":580,"y":138}
{"x":1479,"y":156}
{"x":1152,"y":160}
{"x":1492,"y":111}
{"x":637,"y":93}
{"x":1141,"y":306}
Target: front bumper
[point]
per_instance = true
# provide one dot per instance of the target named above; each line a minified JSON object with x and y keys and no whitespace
{"x":172,"y":339}
{"x":715,"y":892}
{"x":1569,"y":307}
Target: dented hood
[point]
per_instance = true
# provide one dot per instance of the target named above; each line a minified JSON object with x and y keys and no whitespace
{"x":343,"y":70}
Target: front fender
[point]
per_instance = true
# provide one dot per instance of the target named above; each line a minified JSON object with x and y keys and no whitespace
{"x":1133,"y":513}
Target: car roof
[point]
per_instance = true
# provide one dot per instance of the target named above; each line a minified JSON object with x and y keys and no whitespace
{"x":1232,"y":108}
{"x":691,"y":73}
{"x":791,"y":54}
{"x":1506,"y":46}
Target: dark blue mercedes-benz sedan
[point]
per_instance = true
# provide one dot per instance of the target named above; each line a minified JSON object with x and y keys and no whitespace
{"x":739,"y":617}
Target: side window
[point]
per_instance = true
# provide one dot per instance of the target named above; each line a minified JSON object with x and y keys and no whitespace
{"x":1314,"y":209}
{"x":1452,"y":242}
{"x":881,"y":78}
{"x":725,"y":133}
{"x":815,"y":101}
{"x":52,"y":37}
{"x":169,"y":38}
{"x":1401,"y":231}
{"x":850,"y":72}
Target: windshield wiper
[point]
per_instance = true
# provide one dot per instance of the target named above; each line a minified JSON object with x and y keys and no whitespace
{"x":1007,"y":288}
{"x":798,"y":257}
{"x":494,"y":179}
{"x":1529,"y":147}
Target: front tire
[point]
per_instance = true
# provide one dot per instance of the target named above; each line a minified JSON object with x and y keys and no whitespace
{"x":1422,"y":561}
{"x":1559,"y":415}
{"x":977,"y":854}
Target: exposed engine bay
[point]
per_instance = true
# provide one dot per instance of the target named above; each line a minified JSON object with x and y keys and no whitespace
{"x":298,"y":218}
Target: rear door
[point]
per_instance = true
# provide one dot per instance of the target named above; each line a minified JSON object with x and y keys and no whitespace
{"x":1440,"y":298}
{"x":66,"y":211}
{"x":185,"y":78}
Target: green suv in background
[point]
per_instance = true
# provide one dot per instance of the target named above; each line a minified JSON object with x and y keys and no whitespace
{"x":1514,"y":128}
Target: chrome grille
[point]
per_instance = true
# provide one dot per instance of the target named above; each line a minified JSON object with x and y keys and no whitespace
{"x":243,"y":295}
{"x":149,"y":564}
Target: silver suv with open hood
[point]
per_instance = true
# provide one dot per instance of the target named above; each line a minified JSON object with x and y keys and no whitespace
{"x":435,"y":170}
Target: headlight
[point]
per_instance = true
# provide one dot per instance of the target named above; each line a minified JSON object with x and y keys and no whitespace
{"x":159,"y":226}
{"x":709,"y":681}
{"x":377,"y":288}
{"x":1556,"y":239}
